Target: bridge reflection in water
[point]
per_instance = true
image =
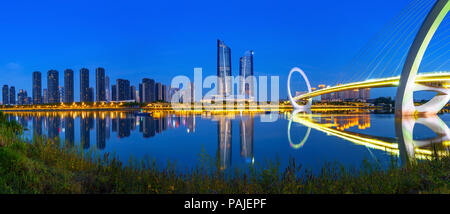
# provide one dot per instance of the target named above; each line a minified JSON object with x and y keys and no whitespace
{"x":404,"y":145}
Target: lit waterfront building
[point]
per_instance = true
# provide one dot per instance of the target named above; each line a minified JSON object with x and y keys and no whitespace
{"x":246,"y":85}
{"x":113,"y":93}
{"x":61,"y":93}
{"x":22,"y":97}
{"x":158,"y":91}
{"x":148,"y":90}
{"x":100,"y":84}
{"x":12,"y":95}
{"x":37,"y":88}
{"x":5,"y":95}
{"x":123,"y":89}
{"x":45,"y":96}
{"x":68,"y":86}
{"x":84,"y":85}
{"x":107,"y":89}
{"x":223,"y":69}
{"x":52,"y":86}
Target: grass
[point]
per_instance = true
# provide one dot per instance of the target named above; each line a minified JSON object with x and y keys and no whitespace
{"x":44,"y":166}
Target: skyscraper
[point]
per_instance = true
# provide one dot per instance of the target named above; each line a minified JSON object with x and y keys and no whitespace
{"x":148,"y":90}
{"x":107,"y":89}
{"x":68,"y":86}
{"x":12,"y":95}
{"x":140,"y":93}
{"x":223,"y":69}
{"x":164,"y":93}
{"x":123,"y":89}
{"x":37,"y":87}
{"x":246,"y":86}
{"x":113,"y":93}
{"x":90,"y":95}
{"x":100,"y":90}
{"x":5,"y":95}
{"x":61,"y":93}
{"x":45,"y":96}
{"x":158,"y":91}
{"x":22,"y":97}
{"x":133,"y":93}
{"x":84,"y":85}
{"x":52,"y":86}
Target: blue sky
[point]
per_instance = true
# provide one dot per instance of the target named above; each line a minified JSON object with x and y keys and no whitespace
{"x":162,"y":39}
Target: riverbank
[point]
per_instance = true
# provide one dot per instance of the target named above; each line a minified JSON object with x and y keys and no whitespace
{"x":45,"y":166}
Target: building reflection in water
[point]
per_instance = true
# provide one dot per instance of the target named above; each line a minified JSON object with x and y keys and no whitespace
{"x":224,"y":141}
{"x":69,"y":130}
{"x":85,"y":133}
{"x":148,"y":127}
{"x":53,"y":127}
{"x":101,"y":133}
{"x":246,"y":125}
{"x":37,"y":126}
{"x":123,"y":124}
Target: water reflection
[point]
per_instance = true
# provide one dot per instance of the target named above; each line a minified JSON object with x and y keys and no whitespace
{"x":404,"y":145}
{"x":224,"y":140}
{"x":408,"y":146}
{"x":179,"y":136}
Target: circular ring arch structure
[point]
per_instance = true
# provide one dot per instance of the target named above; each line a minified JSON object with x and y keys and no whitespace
{"x":291,"y":99}
{"x":298,"y":145}
{"x":404,"y":102}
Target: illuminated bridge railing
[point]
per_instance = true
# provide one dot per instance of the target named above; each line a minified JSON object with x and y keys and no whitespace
{"x":377,"y":83}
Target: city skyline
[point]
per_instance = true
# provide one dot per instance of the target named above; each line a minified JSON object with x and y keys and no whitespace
{"x":277,"y":47}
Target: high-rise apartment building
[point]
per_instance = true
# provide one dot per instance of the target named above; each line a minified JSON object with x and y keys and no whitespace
{"x":68,"y":86}
{"x":37,"y":88}
{"x":52,"y":86}
{"x":84,"y":85}
{"x":123,"y":89}
{"x":100,"y":89}
{"x":148,"y":90}
{"x":5,"y":95}
{"x":12,"y":95}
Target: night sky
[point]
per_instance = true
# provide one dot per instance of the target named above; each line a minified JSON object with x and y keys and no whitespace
{"x":162,"y":39}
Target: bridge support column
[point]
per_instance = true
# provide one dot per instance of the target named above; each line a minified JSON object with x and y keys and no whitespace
{"x":404,"y":101}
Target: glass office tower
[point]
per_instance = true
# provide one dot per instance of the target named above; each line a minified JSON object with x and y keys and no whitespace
{"x":223,"y":69}
{"x":246,"y":86}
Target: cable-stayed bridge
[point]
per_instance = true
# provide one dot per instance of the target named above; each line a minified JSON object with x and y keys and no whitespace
{"x":409,"y":80}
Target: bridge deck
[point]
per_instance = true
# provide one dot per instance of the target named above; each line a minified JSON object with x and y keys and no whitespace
{"x":377,"y":83}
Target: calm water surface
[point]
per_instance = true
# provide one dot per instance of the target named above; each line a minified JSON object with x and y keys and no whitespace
{"x":240,"y":140}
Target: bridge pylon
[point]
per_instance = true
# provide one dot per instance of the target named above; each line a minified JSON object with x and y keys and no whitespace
{"x":404,"y":101}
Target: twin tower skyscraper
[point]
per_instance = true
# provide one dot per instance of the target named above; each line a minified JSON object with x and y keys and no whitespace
{"x":224,"y":77}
